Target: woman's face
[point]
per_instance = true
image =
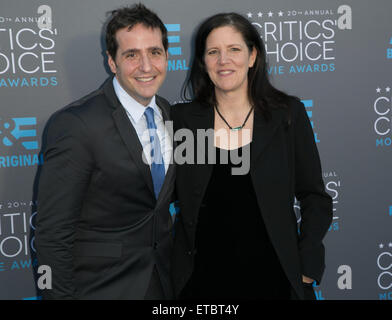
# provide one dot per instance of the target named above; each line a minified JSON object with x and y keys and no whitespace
{"x":227,"y":60}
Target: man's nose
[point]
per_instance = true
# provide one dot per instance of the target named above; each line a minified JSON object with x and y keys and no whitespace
{"x":145,"y":63}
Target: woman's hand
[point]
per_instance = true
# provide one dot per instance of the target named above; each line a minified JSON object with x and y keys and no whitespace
{"x":306,"y":279}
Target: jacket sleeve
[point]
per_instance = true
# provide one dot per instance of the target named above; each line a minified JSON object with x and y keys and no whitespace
{"x":61,"y":188}
{"x":315,"y":203}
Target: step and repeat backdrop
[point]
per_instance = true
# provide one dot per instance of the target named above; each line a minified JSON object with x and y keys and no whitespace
{"x":335,"y":55}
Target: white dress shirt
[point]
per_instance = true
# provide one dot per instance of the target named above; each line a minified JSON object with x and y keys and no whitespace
{"x":135,"y":112}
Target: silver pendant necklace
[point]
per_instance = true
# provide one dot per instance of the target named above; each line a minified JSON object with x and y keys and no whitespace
{"x":235,"y":128}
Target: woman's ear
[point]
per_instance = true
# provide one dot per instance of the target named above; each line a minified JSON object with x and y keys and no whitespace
{"x":252,"y":57}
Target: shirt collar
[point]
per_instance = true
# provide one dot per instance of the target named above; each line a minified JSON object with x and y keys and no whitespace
{"x":134,"y":108}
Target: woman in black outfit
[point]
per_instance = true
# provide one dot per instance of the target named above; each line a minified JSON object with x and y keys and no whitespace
{"x":236,"y":234}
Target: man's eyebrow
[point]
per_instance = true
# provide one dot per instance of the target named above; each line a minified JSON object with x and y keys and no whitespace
{"x":156,"y":48}
{"x":138,"y":50}
{"x":129,"y":51}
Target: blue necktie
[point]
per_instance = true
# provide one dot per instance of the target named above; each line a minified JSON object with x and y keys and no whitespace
{"x":157,"y":164}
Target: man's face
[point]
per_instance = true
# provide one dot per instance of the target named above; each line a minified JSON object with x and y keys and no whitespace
{"x":140,"y":62}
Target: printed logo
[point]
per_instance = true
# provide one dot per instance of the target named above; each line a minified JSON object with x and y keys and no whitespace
{"x":27,"y":53}
{"x":309,"y":110}
{"x":332,"y":186}
{"x":16,"y":242}
{"x":318,"y":292}
{"x":16,"y":133}
{"x":389,"y":50}
{"x":19,"y":129}
{"x":301,"y":41}
{"x":175,"y":61}
{"x":384,"y":264}
{"x":382,"y":124}
{"x":174,"y":208}
{"x":33,"y":298}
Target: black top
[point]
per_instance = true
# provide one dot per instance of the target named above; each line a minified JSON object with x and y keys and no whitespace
{"x":235,"y":258}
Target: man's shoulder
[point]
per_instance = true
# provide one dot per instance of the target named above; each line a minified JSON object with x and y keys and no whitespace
{"x":87,"y":106}
{"x":90,"y":102}
{"x":163,"y":104}
{"x":161,"y":101}
{"x":88,"y":111}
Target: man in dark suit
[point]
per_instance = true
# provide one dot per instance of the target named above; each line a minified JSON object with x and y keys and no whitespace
{"x":103,"y":223}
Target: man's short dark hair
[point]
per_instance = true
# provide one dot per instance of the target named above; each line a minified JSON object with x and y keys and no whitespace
{"x":128,"y":17}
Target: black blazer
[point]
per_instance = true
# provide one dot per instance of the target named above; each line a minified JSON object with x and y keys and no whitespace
{"x":284,"y":163}
{"x":99,"y":226}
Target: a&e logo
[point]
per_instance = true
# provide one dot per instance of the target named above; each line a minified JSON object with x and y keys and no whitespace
{"x":19,"y":135}
{"x":384,"y":264}
{"x":19,"y":130}
{"x":309,"y":109}
{"x":389,"y":50}
{"x":175,"y":62}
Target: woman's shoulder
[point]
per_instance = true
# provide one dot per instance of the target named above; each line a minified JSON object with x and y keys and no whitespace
{"x":298,"y":110}
{"x":294,"y":102}
{"x":294,"y":105}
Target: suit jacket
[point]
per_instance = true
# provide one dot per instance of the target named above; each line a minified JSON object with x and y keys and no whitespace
{"x":99,"y":226}
{"x":284,"y":164}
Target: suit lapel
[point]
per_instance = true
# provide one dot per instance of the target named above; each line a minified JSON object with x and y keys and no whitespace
{"x":127,"y":133}
{"x":263,"y":132}
{"x":202,"y":118}
{"x":170,"y":174}
{"x":164,"y":106}
{"x":132,"y":143}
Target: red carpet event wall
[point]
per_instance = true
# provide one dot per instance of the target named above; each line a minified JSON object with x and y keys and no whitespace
{"x":335,"y":55}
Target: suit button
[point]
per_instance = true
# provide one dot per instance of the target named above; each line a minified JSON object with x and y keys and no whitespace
{"x":198,"y":191}
{"x":191,"y":252}
{"x":155,"y":245}
{"x":191,"y":223}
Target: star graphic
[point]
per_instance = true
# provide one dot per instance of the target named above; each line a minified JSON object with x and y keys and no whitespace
{"x":270,"y":14}
{"x":387,"y":89}
{"x":259,"y":14}
{"x":280,"y":14}
{"x":249,"y":14}
{"x":381,"y":246}
{"x":390,"y":245}
{"x":378,"y":90}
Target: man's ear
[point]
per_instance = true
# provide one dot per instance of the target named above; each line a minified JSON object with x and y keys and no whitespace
{"x":167,"y":58}
{"x":111,"y":63}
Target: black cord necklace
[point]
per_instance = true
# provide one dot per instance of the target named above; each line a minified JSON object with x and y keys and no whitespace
{"x":235,"y":128}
